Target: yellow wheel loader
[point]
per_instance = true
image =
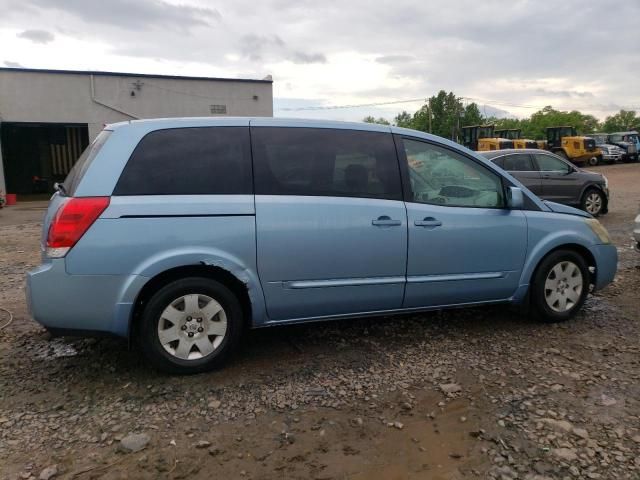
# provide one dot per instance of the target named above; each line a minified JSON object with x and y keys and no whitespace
{"x":515,"y":134}
{"x":482,"y":138}
{"x":564,"y":141}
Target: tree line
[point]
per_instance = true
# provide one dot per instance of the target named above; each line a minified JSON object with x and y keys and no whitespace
{"x":444,"y":114}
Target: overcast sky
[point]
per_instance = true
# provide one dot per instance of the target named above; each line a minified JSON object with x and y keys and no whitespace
{"x":514,"y":55}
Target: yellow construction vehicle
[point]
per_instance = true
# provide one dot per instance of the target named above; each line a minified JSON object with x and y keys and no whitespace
{"x":565,"y":142}
{"x":515,"y":134}
{"x":481,"y":138}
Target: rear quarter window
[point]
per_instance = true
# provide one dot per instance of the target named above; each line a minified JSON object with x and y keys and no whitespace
{"x":84,"y":161}
{"x":189,"y":161}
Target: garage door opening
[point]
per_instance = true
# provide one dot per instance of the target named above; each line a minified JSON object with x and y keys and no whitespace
{"x":37,"y":155}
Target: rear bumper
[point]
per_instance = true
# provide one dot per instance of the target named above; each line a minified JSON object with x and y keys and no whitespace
{"x":606,"y":257}
{"x":92,"y":304}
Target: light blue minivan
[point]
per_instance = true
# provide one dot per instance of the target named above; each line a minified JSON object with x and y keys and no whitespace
{"x":180,"y":233}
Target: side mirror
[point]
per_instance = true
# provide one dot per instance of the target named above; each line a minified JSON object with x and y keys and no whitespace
{"x":515,"y":198}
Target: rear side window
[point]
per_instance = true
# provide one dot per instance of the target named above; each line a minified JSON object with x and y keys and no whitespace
{"x":82,"y":164}
{"x":325,"y":162}
{"x":518,"y":163}
{"x":189,"y":161}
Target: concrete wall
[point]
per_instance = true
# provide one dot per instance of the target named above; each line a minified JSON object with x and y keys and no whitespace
{"x":27,"y":96}
{"x":33,"y":96}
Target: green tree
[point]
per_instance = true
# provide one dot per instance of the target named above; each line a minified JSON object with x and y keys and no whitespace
{"x":443,"y":115}
{"x":550,"y":117}
{"x":472,"y":115}
{"x":404,"y":120}
{"x":622,"y":121}
{"x":447,"y":111}
{"x":590,"y":124}
{"x":379,"y":120}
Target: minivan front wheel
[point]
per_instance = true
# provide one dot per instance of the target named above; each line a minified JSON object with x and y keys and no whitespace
{"x":190,"y":325}
{"x":560,"y":286}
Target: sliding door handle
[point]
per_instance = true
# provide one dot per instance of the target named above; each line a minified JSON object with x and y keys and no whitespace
{"x":385,"y":221}
{"x":428,"y":222}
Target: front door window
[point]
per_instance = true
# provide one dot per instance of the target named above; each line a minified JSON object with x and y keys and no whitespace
{"x":442,"y":177}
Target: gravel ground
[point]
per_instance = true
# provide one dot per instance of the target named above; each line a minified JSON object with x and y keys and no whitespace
{"x":479,"y":393}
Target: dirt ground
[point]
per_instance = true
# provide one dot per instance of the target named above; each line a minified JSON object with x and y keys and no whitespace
{"x":479,"y":393}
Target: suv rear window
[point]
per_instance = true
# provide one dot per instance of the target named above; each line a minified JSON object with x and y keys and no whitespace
{"x":325,"y":162}
{"x":82,"y":164}
{"x":189,"y":161}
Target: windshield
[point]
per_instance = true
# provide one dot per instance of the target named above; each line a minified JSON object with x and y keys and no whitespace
{"x":70,"y":183}
{"x":485,"y":132}
{"x":512,"y":134}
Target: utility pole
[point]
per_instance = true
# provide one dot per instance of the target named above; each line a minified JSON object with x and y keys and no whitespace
{"x":430,"y":127}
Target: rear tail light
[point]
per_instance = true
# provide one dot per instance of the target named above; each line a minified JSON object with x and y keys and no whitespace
{"x":71,"y":221}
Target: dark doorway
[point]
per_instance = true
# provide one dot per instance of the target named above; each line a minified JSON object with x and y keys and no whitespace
{"x":36,"y":155}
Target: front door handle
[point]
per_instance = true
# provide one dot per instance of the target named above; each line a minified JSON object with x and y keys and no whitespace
{"x":385,"y":221}
{"x":427,"y":222}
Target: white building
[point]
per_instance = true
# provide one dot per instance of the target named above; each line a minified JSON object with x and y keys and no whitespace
{"x":48,"y":117}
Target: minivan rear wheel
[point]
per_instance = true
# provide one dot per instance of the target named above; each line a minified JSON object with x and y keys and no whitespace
{"x":560,"y":286}
{"x":191,"y":325}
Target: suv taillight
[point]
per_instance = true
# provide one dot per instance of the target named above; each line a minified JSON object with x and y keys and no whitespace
{"x":71,"y":221}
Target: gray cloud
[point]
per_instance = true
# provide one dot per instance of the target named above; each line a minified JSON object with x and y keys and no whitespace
{"x":37,"y":36}
{"x":254,"y":46}
{"x":139,"y":15}
{"x":517,"y":54}
{"x":563,"y":93}
{"x":302,"y":58}
{"x":10,"y":64}
{"x":258,"y":48}
{"x":395,"y":59}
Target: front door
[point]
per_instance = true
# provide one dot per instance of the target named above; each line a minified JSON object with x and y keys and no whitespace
{"x":559,"y":180}
{"x":330,"y":221}
{"x":464,"y":245}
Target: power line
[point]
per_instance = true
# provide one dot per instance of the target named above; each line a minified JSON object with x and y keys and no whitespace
{"x":357,"y":105}
{"x":484,"y":102}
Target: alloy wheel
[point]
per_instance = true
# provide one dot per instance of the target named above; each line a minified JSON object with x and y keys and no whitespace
{"x":563,"y":286}
{"x":593,"y":203}
{"x":192,"y":326}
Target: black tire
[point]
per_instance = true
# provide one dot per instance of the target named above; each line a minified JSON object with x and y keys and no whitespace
{"x":149,"y":337}
{"x":593,"y":201}
{"x":593,"y":161}
{"x":540,"y":307}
